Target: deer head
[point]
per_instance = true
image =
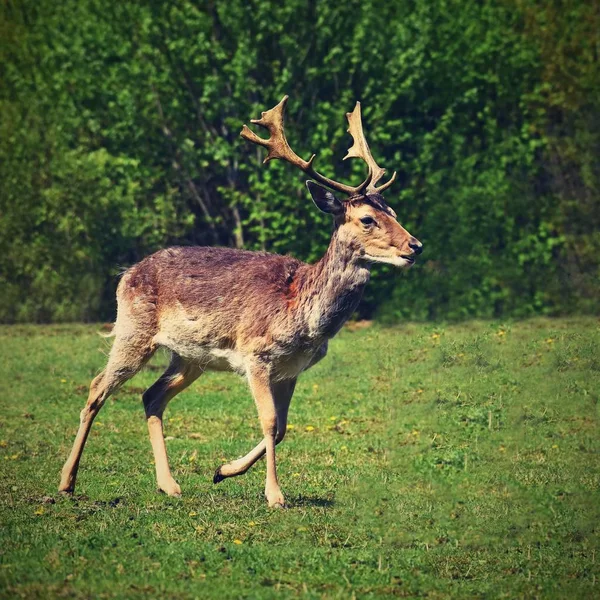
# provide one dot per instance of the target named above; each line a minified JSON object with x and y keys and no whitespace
{"x":362,"y":218}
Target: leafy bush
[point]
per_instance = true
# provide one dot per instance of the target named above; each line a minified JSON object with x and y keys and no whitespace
{"x":119,"y":129}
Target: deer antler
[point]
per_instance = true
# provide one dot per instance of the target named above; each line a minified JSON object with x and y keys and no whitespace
{"x":360,"y":149}
{"x":278,"y":147}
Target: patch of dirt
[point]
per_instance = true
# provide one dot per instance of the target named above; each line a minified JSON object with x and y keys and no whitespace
{"x":357,"y":325}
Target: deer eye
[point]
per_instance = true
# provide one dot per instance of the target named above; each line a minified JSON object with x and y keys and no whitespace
{"x":367,"y":221}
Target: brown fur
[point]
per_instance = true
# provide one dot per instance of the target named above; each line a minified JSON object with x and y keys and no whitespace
{"x":265,"y":316}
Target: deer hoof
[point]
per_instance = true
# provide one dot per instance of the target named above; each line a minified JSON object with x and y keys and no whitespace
{"x":171,"y":489}
{"x":275,"y":500}
{"x":218,"y":477}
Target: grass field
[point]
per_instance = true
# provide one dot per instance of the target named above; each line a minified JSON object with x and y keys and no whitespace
{"x":423,"y":460}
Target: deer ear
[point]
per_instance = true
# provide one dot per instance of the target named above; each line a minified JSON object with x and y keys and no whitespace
{"x":324,"y":199}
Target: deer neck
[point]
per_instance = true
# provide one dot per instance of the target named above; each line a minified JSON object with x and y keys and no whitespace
{"x":333,"y":287}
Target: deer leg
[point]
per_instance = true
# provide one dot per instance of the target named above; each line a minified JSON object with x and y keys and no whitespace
{"x":260,"y":385}
{"x":177,"y":377}
{"x":126,"y":359}
{"x":282,"y":392}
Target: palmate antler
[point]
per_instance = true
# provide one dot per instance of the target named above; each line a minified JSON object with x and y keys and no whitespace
{"x":360,"y":149}
{"x":278,"y":147}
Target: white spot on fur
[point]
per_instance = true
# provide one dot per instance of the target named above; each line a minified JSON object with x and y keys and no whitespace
{"x":397,"y":261}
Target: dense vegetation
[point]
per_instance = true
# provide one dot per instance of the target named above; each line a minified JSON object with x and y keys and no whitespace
{"x":468,"y":469}
{"x":119,"y":128}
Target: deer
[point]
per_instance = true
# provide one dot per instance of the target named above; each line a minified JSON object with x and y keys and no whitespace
{"x":264,"y":316}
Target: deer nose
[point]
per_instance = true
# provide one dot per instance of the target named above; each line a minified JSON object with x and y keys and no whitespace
{"x":415,"y":245}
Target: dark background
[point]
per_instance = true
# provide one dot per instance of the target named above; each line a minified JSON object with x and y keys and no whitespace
{"x":119,"y":135}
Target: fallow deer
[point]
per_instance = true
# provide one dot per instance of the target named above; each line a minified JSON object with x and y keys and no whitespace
{"x":264,"y":316}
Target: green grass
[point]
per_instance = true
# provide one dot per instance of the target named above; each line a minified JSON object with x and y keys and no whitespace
{"x":425,"y":460}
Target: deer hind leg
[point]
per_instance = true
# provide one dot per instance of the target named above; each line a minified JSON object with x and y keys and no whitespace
{"x":282,"y":394}
{"x":127,"y":357}
{"x":179,"y":375}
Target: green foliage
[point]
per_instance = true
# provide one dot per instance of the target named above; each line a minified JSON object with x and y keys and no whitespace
{"x":446,"y":462}
{"x":119,"y":129}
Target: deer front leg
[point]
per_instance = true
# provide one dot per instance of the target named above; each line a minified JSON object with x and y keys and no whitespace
{"x":282,"y":392}
{"x":260,"y":385}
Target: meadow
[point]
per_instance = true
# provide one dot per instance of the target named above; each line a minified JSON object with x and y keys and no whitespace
{"x":446,"y":461}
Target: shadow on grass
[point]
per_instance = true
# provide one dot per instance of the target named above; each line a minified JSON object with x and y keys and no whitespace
{"x":301,"y":501}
